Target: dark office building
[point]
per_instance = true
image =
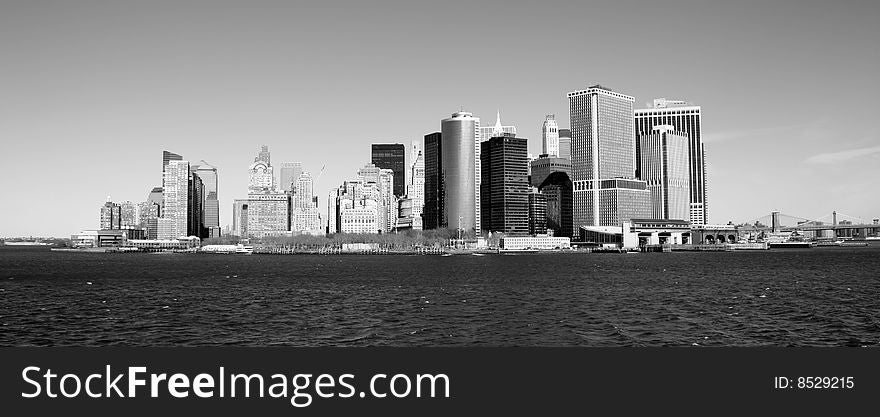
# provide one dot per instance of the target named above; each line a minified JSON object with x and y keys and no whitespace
{"x":557,"y":189}
{"x":392,"y":156}
{"x":504,"y":186}
{"x":432,"y":211}
{"x":546,"y":165}
{"x":537,"y":213}
{"x":195,"y":207}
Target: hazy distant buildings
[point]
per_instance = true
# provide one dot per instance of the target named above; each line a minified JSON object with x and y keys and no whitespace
{"x":663,"y":157}
{"x":208,"y":174}
{"x":550,"y":137}
{"x":504,"y":202}
{"x":488,"y":132}
{"x":683,"y":118}
{"x":432,"y":210}
{"x":391,"y":156}
{"x":290,"y":172}
{"x":174,"y":221}
{"x":565,"y":143}
{"x":460,"y":172}
{"x":603,"y":159}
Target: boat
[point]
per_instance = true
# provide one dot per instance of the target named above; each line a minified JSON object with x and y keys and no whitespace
{"x":238,"y":249}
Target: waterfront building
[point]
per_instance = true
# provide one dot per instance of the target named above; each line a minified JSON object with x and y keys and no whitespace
{"x":261,"y":215}
{"x":663,"y":157}
{"x":488,"y":132}
{"x":537,"y":213}
{"x":176,"y":196}
{"x":565,"y":143}
{"x":432,"y":210}
{"x":504,"y":189}
{"x":290,"y":172}
{"x":550,"y":137}
{"x":460,"y":170}
{"x":211,"y":202}
{"x":636,"y":233}
{"x":684,"y":118}
{"x":546,"y":165}
{"x":557,"y":191}
{"x":391,"y":156}
{"x":603,"y":159}
{"x":541,"y":242}
{"x":111,"y":215}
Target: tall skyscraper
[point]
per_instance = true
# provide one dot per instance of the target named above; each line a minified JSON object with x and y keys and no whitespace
{"x":461,"y":172}
{"x":606,"y":192}
{"x":565,"y":143}
{"x":304,"y":216}
{"x":550,"y":137}
{"x":392,"y":156}
{"x":683,"y":118}
{"x":173,"y":223}
{"x":168,"y":157}
{"x":290,"y":172}
{"x":208,"y":174}
{"x":432,"y":211}
{"x":544,"y":166}
{"x":195,"y":207}
{"x":504,"y":187}
{"x":663,"y":158}
{"x":416,"y":190}
{"x":488,"y":132}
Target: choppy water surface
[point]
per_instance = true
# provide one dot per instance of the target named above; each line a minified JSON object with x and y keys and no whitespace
{"x":816,"y":297}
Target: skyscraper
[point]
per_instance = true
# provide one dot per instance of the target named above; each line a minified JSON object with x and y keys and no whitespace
{"x":663,"y":157}
{"x":537,"y":213}
{"x":488,"y":132}
{"x":432,"y":211}
{"x":111,"y":215}
{"x":461,"y":172}
{"x":173,"y":223}
{"x":208,"y":175}
{"x":304,"y":216}
{"x":264,"y":155}
{"x":195,"y":207}
{"x":129,"y":215}
{"x":504,"y":189}
{"x":550,"y":137}
{"x":683,"y":118}
{"x":290,"y":172}
{"x":168,"y":157}
{"x":606,"y":192}
{"x":260,"y":177}
{"x":557,"y":189}
{"x":565,"y":143}
{"x":392,"y":156}
{"x":416,"y":190}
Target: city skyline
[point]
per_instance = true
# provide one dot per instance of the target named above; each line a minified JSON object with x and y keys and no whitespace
{"x":129,"y":92}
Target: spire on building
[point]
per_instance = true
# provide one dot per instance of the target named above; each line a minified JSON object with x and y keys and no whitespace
{"x":497,"y":130}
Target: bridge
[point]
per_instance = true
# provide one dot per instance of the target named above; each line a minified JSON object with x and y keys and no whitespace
{"x":832,"y":225}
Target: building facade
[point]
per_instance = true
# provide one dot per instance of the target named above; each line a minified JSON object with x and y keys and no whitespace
{"x":460,"y":172}
{"x":504,"y":188}
{"x":208,"y":174}
{"x":605,"y":191}
{"x":565,"y":143}
{"x":290,"y":171}
{"x":432,"y":210}
{"x":537,"y":213}
{"x":546,"y":165}
{"x":550,"y":137}
{"x":557,"y":191}
{"x":175,"y":194}
{"x":663,"y":160}
{"x":391,"y":156}
{"x":687,"y":119}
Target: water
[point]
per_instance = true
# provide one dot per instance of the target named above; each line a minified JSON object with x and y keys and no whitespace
{"x":815,"y":297}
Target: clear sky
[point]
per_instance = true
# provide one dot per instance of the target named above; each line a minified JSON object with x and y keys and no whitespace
{"x":92,"y":92}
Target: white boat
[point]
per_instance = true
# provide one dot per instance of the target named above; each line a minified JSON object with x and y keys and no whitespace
{"x":228,"y":249}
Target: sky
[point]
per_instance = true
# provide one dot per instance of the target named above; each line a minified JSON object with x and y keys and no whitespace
{"x":92,"y":92}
